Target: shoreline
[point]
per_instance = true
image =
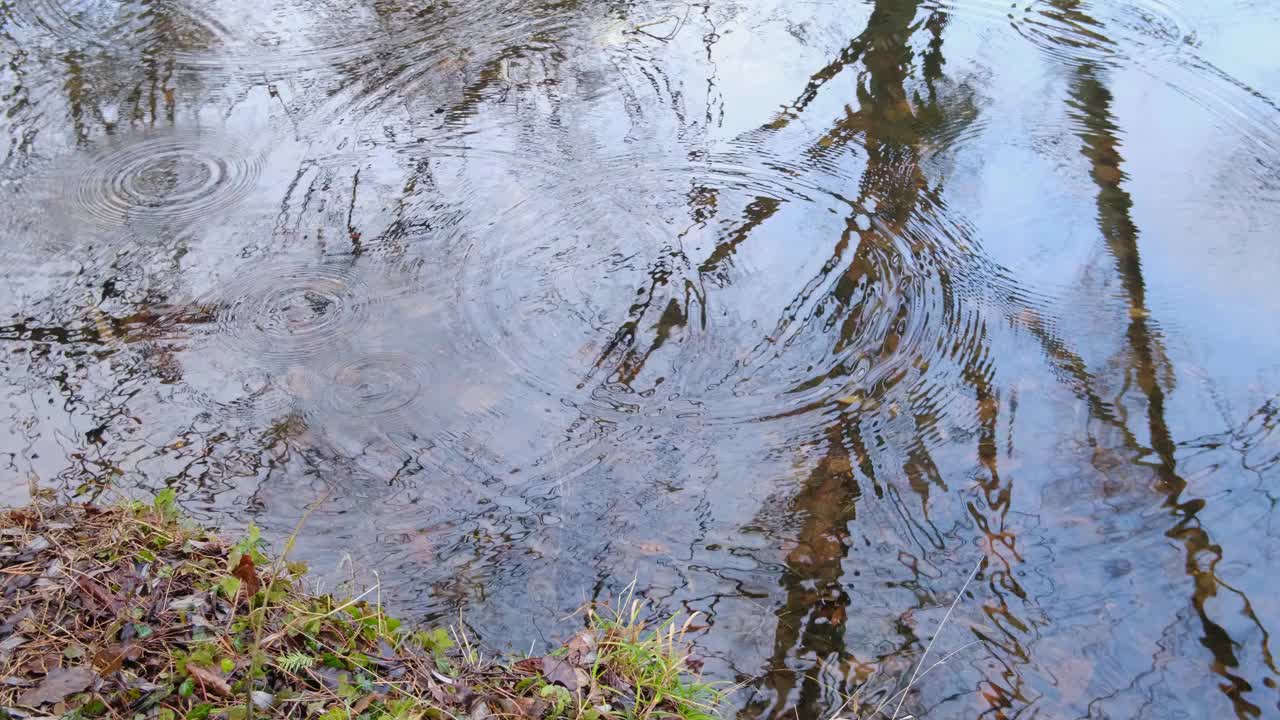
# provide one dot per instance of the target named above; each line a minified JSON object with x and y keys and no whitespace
{"x":131,"y":611}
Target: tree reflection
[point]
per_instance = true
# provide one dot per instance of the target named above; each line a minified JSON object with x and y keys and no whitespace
{"x":896,"y":111}
{"x":1145,"y":369}
{"x":893,"y":127}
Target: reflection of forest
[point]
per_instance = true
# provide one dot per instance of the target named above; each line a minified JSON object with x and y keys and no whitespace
{"x":890,"y":122}
{"x":890,"y":125}
{"x":895,"y":113}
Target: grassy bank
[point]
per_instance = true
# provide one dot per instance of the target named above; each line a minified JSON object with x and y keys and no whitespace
{"x":132,"y":612}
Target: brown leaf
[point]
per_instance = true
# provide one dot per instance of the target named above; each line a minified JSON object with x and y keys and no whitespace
{"x":39,"y":665}
{"x":97,"y":597}
{"x":437,"y":693}
{"x":12,"y":621}
{"x":561,"y":671}
{"x":23,"y":518}
{"x":386,"y":656}
{"x":531,"y":707}
{"x":57,"y":685}
{"x":211,"y":546}
{"x":248,"y":575}
{"x":839,"y":615}
{"x":520,"y":707}
{"x":16,"y":583}
{"x":363,"y":703}
{"x":109,"y":659}
{"x":582,"y":648}
{"x":209,"y":680}
{"x":529,"y":665}
{"x":326,"y":676}
{"x":616,"y":682}
{"x":11,"y":643}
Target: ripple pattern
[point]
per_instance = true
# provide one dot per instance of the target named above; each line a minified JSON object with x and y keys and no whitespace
{"x":165,"y":180}
{"x":130,"y":26}
{"x":701,"y":316}
{"x":374,"y":385}
{"x":289,"y":312}
{"x":239,"y":394}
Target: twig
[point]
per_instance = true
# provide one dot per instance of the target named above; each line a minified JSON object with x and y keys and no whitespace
{"x":916,"y":674}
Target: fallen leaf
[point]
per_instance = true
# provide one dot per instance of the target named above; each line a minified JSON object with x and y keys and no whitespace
{"x":23,"y":518}
{"x":248,"y":575}
{"x":11,"y":643}
{"x":16,"y":583}
{"x":189,"y":603}
{"x":39,"y":665}
{"x":110,"y":658}
{"x":509,"y":707}
{"x":622,"y":697}
{"x":480,"y":710}
{"x":97,"y":596}
{"x":12,"y":621}
{"x":560,"y":671}
{"x":529,"y":707}
{"x":209,"y":680}
{"x":582,"y":648}
{"x":363,"y":703}
{"x":326,"y":676}
{"x":529,"y":665}
{"x":211,"y":546}
{"x":615,"y":681}
{"x":838,"y":616}
{"x":37,"y":545}
{"x":53,"y":570}
{"x":57,"y":685}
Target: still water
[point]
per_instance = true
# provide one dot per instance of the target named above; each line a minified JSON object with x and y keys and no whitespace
{"x":789,"y":312}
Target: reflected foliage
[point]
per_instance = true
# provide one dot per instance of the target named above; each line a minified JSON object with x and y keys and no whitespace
{"x":788,"y":313}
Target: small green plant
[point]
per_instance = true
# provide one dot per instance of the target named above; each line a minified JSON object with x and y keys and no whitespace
{"x":653,"y":662}
{"x":295,"y":662}
{"x":166,"y":504}
{"x":560,"y":698}
{"x":251,"y":544}
{"x":236,"y":637}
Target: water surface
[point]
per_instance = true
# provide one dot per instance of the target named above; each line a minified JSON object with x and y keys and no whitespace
{"x":791,"y":313}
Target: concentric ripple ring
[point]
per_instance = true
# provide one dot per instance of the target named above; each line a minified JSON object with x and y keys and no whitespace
{"x":373,"y":385}
{"x":287,"y":311}
{"x":170,"y":179}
